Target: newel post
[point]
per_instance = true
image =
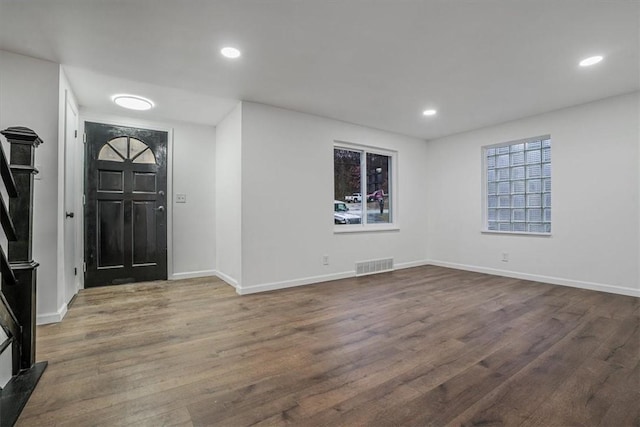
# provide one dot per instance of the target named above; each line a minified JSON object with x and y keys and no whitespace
{"x":22,"y":296}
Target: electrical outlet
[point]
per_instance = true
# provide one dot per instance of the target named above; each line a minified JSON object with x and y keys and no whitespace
{"x":325,"y":259}
{"x":505,"y":256}
{"x":181,"y":198}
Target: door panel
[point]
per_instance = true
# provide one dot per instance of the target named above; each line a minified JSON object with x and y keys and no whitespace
{"x":125,"y":216}
{"x":144,"y":236}
{"x":110,"y":181}
{"x":110,"y":234}
{"x":144,"y":182}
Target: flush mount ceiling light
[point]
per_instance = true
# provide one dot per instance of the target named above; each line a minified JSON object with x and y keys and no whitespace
{"x":133,"y":102}
{"x":429,"y":112}
{"x":592,"y":60}
{"x":230,"y":52}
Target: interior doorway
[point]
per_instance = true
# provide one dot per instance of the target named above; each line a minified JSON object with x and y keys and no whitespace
{"x":71,"y":281}
{"x":125,"y":212}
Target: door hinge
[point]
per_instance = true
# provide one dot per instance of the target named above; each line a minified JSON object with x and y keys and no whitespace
{"x":75,"y":133}
{"x":84,"y":267}
{"x":75,"y":271}
{"x":84,"y":137}
{"x":84,"y":202}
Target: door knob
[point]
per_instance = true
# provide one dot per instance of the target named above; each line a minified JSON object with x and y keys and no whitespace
{"x":161,"y":193}
{"x":69,"y":214}
{"x":159,"y":208}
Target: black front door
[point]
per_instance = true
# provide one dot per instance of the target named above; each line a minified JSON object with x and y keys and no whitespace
{"x":125,"y":206}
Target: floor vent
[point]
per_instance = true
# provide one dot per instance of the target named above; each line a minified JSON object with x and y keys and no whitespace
{"x":374,"y":266}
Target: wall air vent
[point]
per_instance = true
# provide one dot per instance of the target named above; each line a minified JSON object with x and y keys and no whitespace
{"x":374,"y":266}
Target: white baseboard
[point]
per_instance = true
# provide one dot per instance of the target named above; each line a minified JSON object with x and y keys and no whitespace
{"x":227,"y":279}
{"x":206,"y":273}
{"x":314,"y":279}
{"x":193,"y":274}
{"x":46,"y":318}
{"x":292,"y":283}
{"x":411,"y":264}
{"x":538,"y":278}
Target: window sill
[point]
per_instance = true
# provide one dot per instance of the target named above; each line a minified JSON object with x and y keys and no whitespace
{"x":342,"y":229}
{"x":516,"y":233}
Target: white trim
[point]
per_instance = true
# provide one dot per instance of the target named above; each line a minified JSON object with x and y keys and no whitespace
{"x":60,"y":285}
{"x":356,"y":228}
{"x":347,"y":145}
{"x":318,"y":279}
{"x":66,"y":100}
{"x":293,"y":283}
{"x":538,"y":278}
{"x":227,"y":279}
{"x":410,"y":264}
{"x":393,"y":187}
{"x":46,"y":318}
{"x":516,"y":233}
{"x":193,"y":274}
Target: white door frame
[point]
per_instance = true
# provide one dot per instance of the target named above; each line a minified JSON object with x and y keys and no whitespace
{"x":70,"y":191}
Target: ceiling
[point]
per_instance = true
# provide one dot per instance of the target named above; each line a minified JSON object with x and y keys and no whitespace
{"x":377,"y":63}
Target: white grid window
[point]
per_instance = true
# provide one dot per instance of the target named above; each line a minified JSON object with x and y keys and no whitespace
{"x":518,"y":186}
{"x":363,"y":188}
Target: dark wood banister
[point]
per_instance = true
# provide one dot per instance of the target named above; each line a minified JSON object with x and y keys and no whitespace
{"x":7,"y":176}
{"x":8,"y":320}
{"x":18,"y":271}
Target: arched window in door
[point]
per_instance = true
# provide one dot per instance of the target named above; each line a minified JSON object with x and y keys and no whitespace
{"x":125,"y":148}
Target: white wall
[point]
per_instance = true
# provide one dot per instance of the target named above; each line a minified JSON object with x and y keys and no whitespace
{"x":595,"y":207}
{"x":191,"y":235}
{"x":194,"y":248}
{"x":6,"y":361}
{"x":228,"y":194}
{"x":29,"y":97}
{"x":287,"y":189}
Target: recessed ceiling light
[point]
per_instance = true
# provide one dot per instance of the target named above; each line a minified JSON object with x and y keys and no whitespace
{"x":592,"y":60}
{"x":230,"y":52}
{"x":429,"y":112}
{"x":133,"y":102}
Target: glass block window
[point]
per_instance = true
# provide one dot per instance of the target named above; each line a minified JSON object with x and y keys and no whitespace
{"x":518,"y":190}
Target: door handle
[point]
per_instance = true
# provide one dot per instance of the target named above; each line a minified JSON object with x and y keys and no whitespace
{"x":159,"y":209}
{"x":69,"y":214}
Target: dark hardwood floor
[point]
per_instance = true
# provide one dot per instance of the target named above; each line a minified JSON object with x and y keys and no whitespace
{"x":417,"y":347}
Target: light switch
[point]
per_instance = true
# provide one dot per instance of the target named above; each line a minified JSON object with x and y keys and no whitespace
{"x":181,"y":198}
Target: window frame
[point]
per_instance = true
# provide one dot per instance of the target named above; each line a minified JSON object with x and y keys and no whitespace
{"x":393,"y":205}
{"x":484,"y":228}
{"x":121,"y":156}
